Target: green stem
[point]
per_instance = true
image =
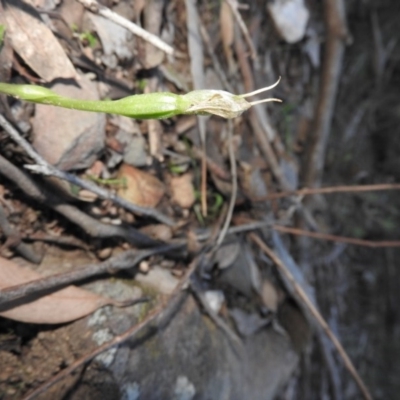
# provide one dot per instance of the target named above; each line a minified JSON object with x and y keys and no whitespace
{"x":143,"y":106}
{"x":146,"y":106}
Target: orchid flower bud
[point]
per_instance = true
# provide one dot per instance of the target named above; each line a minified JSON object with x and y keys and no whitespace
{"x":222,"y":103}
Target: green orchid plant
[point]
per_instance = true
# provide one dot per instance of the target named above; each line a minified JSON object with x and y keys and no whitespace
{"x":147,"y":106}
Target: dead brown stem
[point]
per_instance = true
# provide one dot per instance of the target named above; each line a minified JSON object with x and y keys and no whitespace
{"x":213,"y":167}
{"x":233,"y":4}
{"x":259,"y":133}
{"x":336,"y":37}
{"x":232,"y":200}
{"x":217,"y":66}
{"x":90,"y":225}
{"x":334,"y":238}
{"x":14,"y":239}
{"x":330,"y":190}
{"x":314,"y":312}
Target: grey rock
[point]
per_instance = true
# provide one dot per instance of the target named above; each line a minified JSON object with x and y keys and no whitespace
{"x":70,"y":139}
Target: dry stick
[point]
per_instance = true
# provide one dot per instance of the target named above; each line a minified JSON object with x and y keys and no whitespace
{"x":232,"y":201}
{"x":267,"y":150}
{"x":88,"y":224}
{"x":211,"y":164}
{"x":160,"y":315}
{"x":105,"y":12}
{"x":224,"y":80}
{"x":14,"y":239}
{"x":238,"y":229}
{"x":60,"y":240}
{"x":43,"y":167}
{"x":204,"y":205}
{"x":234,"y":339}
{"x":197,"y":71}
{"x":337,"y":34}
{"x":315,"y":313}
{"x":329,"y":190}
{"x":104,"y":194}
{"x":233,"y":4}
{"x":126,"y":260}
{"x":259,"y":133}
{"x":334,"y":238}
{"x":216,"y":64}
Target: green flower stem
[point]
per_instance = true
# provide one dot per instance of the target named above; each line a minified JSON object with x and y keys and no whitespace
{"x":144,"y":106}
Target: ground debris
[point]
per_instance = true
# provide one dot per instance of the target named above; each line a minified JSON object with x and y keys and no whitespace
{"x":147,"y":203}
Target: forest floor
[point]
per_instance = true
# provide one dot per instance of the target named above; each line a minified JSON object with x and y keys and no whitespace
{"x":280,"y":225}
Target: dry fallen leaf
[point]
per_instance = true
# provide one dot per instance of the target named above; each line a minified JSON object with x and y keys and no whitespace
{"x":141,"y":188}
{"x":28,"y":34}
{"x":59,"y":307}
{"x":182,"y":190}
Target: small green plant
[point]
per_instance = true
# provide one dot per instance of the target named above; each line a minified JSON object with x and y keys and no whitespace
{"x":215,"y":199}
{"x":141,"y":84}
{"x":146,"y":106}
{"x":177,"y":168}
{"x":89,"y":38}
{"x":86,"y":37}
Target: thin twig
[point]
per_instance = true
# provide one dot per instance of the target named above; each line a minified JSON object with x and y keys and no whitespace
{"x":330,"y":190}
{"x":251,"y":226}
{"x":104,"y":194}
{"x":233,"y":338}
{"x":126,"y":260}
{"x":267,"y":150}
{"x":314,"y":312}
{"x":64,"y":240}
{"x":233,"y":4}
{"x":14,"y":239}
{"x":232,"y":200}
{"x":336,"y":36}
{"x":105,"y":12}
{"x":44,"y":168}
{"x":159,"y":316}
{"x":88,"y":224}
{"x":217,"y":65}
{"x":334,"y":238}
{"x":195,"y":47}
{"x":211,"y":164}
{"x":204,"y":206}
{"x":254,"y":118}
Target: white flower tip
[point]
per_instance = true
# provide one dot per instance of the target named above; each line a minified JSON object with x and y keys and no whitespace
{"x":258,"y":91}
{"x":253,"y":103}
